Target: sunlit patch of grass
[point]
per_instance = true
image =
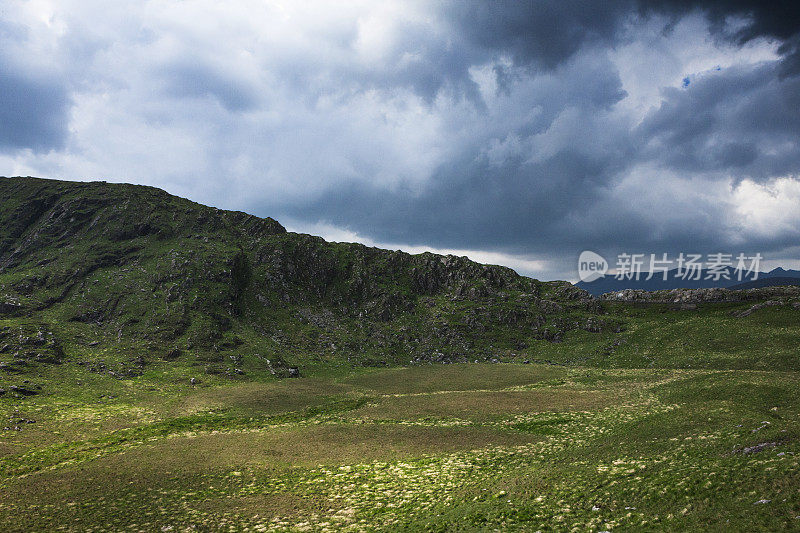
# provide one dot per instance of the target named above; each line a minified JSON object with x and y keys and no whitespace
{"x":578,"y":448}
{"x":542,"y":425}
{"x":461,"y":377}
{"x":262,"y":398}
{"x":483,"y":406}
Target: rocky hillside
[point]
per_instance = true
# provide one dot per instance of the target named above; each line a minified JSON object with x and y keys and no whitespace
{"x":88,"y":268}
{"x":694,"y":296}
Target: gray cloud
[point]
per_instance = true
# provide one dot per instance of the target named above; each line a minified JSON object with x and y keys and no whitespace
{"x":568,"y":181}
{"x":546,"y":33}
{"x":195,"y":80}
{"x":512,"y":192}
{"x":542,"y":33}
{"x":742,"y":121}
{"x":778,"y":21}
{"x":33,"y":112}
{"x":34,"y":106}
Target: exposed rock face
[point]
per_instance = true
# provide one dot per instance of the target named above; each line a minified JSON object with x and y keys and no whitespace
{"x":28,"y":344}
{"x":701,"y":295}
{"x":10,"y":309}
{"x":757,"y":448}
{"x":23,"y":391}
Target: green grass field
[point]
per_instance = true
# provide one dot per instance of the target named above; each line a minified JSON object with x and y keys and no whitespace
{"x":433,"y":447}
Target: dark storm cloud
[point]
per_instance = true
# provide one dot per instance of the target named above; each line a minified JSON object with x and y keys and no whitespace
{"x":33,"y":107}
{"x":510,"y":195}
{"x":545,"y":33}
{"x":776,"y":20}
{"x":516,"y":208}
{"x":33,"y":112}
{"x":744,"y":121}
{"x":740,"y":122}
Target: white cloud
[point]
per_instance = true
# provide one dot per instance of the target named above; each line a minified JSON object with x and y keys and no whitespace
{"x":652,"y":59}
{"x":768,"y":209}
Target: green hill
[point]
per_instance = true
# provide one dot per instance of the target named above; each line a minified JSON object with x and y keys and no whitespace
{"x":120,"y":276}
{"x":126,"y":266}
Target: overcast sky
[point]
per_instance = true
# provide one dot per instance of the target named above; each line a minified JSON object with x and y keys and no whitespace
{"x":516,"y":133}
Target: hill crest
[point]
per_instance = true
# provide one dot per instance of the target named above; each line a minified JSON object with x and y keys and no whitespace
{"x":133,"y":266}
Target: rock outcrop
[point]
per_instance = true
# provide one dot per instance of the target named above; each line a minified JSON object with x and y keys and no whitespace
{"x":701,"y":295}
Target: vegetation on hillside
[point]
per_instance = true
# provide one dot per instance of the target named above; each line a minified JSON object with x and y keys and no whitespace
{"x":102,"y":267}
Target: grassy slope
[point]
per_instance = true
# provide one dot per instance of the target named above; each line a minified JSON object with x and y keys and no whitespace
{"x":635,"y":424}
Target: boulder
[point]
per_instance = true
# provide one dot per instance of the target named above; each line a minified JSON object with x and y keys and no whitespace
{"x":22,"y":390}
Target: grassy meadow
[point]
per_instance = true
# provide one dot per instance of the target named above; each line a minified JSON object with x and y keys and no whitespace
{"x":433,"y":447}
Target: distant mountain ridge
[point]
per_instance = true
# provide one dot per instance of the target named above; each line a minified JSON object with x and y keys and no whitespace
{"x":771,"y":281}
{"x":730,"y":279}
